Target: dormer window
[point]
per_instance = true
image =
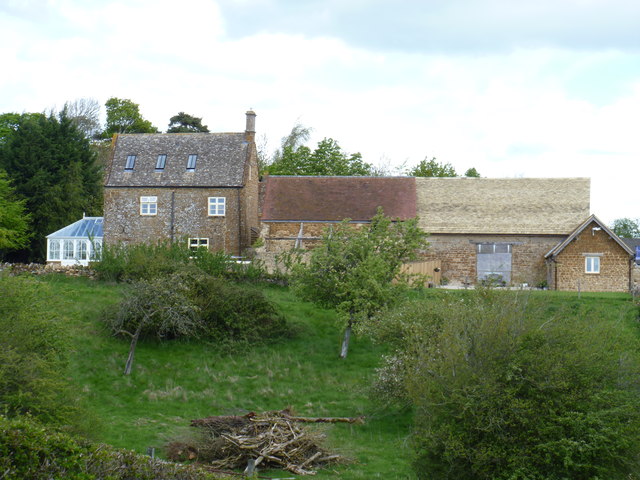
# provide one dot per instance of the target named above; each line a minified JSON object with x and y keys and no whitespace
{"x":161,"y":162}
{"x":191,"y":163}
{"x":131,"y":162}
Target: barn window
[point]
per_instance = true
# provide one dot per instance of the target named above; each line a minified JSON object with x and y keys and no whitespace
{"x":592,"y":264}
{"x":148,"y":205}
{"x":493,"y":262}
{"x":216,"y":206}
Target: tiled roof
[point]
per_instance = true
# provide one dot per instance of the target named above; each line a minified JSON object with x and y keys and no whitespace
{"x":220,"y":162}
{"x":531,"y":206}
{"x":88,"y":227}
{"x":336,"y":198}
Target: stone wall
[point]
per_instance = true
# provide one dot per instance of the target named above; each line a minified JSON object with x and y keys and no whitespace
{"x":458,"y":256}
{"x":569,"y":269}
{"x":181,"y":213}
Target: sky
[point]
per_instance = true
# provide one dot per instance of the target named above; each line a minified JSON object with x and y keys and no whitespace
{"x":513,"y":88}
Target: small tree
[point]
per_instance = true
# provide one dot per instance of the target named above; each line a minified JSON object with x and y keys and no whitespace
{"x":626,"y":227}
{"x":432,"y":168}
{"x":185,"y":123}
{"x":160,"y":307}
{"x":357,"y":270}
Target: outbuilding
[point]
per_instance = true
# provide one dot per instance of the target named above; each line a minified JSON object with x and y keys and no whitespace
{"x":76,"y":244}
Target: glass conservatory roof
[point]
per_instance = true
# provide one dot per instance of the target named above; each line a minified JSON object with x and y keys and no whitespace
{"x":85,"y":228}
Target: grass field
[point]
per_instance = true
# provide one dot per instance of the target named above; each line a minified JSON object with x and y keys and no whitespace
{"x":174,"y":382}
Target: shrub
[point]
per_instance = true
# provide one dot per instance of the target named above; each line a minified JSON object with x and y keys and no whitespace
{"x":229,"y":311}
{"x":500,"y":392}
{"x":30,"y":451}
{"x":34,"y":347}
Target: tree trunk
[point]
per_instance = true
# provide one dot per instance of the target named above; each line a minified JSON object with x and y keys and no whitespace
{"x":345,"y":341}
{"x":132,"y":350}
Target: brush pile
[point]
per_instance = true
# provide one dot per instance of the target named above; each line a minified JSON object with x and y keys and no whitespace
{"x":270,"y":440}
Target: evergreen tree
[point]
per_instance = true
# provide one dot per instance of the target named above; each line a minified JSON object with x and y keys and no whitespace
{"x":53,"y":167}
{"x":14,"y":221}
{"x":185,"y":123}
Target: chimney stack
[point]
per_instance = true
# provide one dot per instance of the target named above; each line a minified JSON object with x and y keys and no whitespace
{"x":250,"y":131}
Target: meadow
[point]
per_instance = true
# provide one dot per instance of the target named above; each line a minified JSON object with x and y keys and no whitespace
{"x":174,"y":382}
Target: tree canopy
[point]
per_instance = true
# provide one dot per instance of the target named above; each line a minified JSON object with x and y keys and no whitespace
{"x":327,"y":159}
{"x":185,"y":123}
{"x":123,"y":116}
{"x":356,"y":270}
{"x":432,"y":168}
{"x":626,"y":227}
{"x":53,"y":167}
{"x":14,"y":221}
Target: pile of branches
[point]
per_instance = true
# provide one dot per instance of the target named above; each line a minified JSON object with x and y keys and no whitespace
{"x":270,"y":440}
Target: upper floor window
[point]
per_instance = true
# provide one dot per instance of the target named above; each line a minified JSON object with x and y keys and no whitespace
{"x":592,"y":264}
{"x":148,"y":205}
{"x":161,"y":162}
{"x":191,"y":163}
{"x":131,"y":162}
{"x":216,"y":206}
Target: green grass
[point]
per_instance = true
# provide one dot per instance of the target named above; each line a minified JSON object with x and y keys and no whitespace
{"x":174,"y":382}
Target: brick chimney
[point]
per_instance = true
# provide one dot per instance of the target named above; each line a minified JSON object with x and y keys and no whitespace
{"x":250,"y":131}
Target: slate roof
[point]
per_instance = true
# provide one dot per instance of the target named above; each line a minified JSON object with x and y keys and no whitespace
{"x":327,"y":199}
{"x":220,"y":163}
{"x":508,"y":206}
{"x":632,"y":243}
{"x":85,"y":228}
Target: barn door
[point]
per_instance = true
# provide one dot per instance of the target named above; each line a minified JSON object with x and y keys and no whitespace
{"x":494,"y":262}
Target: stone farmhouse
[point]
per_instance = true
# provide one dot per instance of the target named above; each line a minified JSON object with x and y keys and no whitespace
{"x":204,"y":189}
{"x":201,"y":188}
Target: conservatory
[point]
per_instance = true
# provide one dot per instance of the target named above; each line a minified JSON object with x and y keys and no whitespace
{"x":76,"y":244}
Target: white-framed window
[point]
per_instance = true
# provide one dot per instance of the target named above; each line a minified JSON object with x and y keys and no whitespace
{"x":54,"y":249}
{"x":83,"y":251}
{"x":131,"y":162}
{"x":161,"y":162}
{"x":148,"y":205}
{"x":96,"y":249}
{"x":191,"y":163}
{"x":195,"y":243}
{"x":592,"y":264}
{"x":68,"y":250}
{"x":217,"y":206}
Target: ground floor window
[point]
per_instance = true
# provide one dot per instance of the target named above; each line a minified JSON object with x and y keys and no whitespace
{"x":494,"y":262}
{"x":217,"y":206}
{"x":54,"y":249}
{"x":195,"y":243}
{"x":592,"y":264}
{"x":148,"y":205}
{"x":68,"y":252}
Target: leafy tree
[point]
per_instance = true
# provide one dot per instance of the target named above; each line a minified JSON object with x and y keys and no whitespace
{"x":52,"y":166}
{"x":14,"y":221}
{"x":626,"y":227}
{"x":432,"y":168}
{"x":123,"y":116}
{"x":356,"y":270}
{"x":185,"y":123}
{"x":500,"y":390}
{"x":327,"y":159}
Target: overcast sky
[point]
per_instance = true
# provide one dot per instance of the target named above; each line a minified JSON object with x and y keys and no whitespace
{"x":514,"y":88}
